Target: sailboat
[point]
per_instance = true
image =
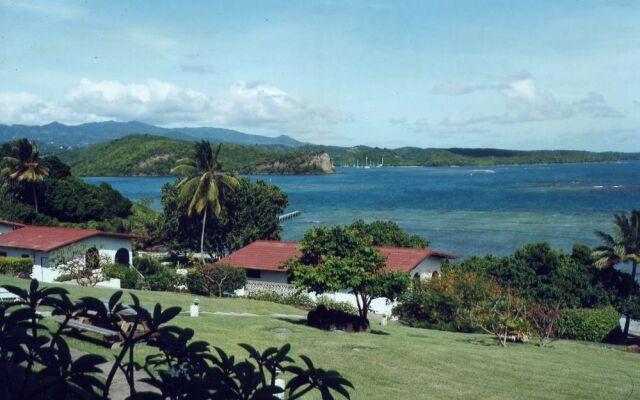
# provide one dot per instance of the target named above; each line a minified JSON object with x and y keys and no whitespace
{"x":366,"y":165}
{"x":381,"y":163}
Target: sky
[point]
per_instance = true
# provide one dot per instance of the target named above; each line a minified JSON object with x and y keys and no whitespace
{"x":502,"y":74}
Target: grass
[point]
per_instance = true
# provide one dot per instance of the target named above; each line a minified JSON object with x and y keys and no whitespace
{"x":397,"y":362}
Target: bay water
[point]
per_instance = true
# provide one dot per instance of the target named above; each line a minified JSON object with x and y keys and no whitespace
{"x":465,"y":210}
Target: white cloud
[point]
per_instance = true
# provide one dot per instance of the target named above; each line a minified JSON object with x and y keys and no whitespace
{"x":48,"y":8}
{"x":523,"y":102}
{"x":263,"y":105}
{"x":244,"y":105}
{"x":26,"y":108}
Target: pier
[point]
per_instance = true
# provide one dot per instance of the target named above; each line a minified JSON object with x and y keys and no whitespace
{"x":288,"y":215}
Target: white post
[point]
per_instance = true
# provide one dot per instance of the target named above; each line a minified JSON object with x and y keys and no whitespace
{"x":195,"y":308}
{"x":281,"y":384}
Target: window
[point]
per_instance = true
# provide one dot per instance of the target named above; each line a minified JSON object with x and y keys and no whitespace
{"x":3,"y":253}
{"x":25,"y":256}
{"x":253,"y":274}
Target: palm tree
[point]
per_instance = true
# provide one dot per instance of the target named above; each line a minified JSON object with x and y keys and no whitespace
{"x":621,"y":248}
{"x":24,"y":167}
{"x":202,"y":183}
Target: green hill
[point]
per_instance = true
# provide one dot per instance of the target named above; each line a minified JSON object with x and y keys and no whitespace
{"x":156,"y":155}
{"x":414,"y":156}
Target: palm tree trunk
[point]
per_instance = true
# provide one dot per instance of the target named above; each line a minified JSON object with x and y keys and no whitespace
{"x":35,"y":198}
{"x":627,"y":321}
{"x":204,"y":222}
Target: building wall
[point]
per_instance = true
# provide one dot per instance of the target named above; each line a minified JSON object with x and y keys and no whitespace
{"x":427,"y":267}
{"x":42,"y":270}
{"x":5,"y":228}
{"x":270,"y":276}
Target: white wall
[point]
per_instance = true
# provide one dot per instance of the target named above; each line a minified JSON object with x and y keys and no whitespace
{"x":271,"y":276}
{"x":427,"y":267}
{"x":106,"y":245}
{"x":5,"y":228}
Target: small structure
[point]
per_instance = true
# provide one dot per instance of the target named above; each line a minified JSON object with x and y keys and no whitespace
{"x":264,"y":262}
{"x":40,"y":243}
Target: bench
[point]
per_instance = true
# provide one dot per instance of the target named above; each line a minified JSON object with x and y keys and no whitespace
{"x":7,"y":296}
{"x":108,"y":334}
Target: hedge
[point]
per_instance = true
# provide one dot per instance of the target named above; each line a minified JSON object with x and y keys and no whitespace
{"x":16,"y":266}
{"x":591,"y":324}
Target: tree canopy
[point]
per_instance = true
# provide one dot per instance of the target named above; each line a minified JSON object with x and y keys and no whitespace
{"x":343,"y":258}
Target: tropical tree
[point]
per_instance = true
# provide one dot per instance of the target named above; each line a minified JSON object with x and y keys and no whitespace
{"x":24,"y":166}
{"x":201,"y":185}
{"x":621,"y":248}
{"x":342,"y":258}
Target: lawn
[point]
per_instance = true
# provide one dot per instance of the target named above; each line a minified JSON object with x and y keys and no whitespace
{"x":397,"y":362}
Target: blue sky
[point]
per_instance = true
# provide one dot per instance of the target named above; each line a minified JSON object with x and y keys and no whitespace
{"x":512,"y":74}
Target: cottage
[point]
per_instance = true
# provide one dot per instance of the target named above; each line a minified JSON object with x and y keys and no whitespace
{"x":264,"y":262}
{"x":42,"y":243}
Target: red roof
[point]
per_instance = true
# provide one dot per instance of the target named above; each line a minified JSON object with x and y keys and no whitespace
{"x":47,"y":238}
{"x":271,"y":255}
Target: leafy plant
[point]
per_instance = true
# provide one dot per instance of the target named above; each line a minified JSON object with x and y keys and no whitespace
{"x":216,"y":280}
{"x":36,"y":362}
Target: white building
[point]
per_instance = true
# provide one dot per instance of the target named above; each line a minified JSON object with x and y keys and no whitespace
{"x":43,"y":244}
{"x":264,"y":262}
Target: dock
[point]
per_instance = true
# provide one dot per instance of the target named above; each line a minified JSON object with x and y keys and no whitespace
{"x":288,"y":215}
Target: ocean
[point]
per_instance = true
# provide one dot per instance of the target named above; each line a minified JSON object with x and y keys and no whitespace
{"x":465,"y":210}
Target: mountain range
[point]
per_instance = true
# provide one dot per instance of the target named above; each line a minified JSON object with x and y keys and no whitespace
{"x":60,"y":136}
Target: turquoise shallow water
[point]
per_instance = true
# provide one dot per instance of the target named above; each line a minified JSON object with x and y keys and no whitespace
{"x":467,"y":210}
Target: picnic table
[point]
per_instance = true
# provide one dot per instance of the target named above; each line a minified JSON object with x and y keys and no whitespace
{"x":7,"y":297}
{"x":126,"y":322}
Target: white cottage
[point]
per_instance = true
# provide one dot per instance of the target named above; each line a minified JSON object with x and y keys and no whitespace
{"x":41,"y":243}
{"x":264,"y":262}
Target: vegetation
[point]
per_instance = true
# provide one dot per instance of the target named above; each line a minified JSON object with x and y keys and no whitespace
{"x":216,"y":280}
{"x":36,"y":361}
{"x":128,"y":276}
{"x":202,"y":185}
{"x":23,"y":167}
{"x":81,"y":263}
{"x":155,"y":155}
{"x":445,"y":301}
{"x":414,"y":156}
{"x":63,"y":199}
{"x":622,"y":247}
{"x":592,"y":324}
{"x":248,"y":213}
{"x":395,"y":361}
{"x":16,"y":266}
{"x":388,"y":233}
{"x":341,"y":258}
{"x":543,"y":275}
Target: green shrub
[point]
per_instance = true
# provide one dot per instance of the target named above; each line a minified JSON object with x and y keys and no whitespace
{"x":323,"y":318}
{"x":444,"y":302}
{"x":128,"y":276}
{"x":341,"y":306}
{"x":196,"y":282}
{"x":64,"y":278}
{"x":165,"y":279}
{"x":16,"y":266}
{"x":147,"y":265}
{"x":216,"y":280}
{"x":593,"y":325}
{"x":295,"y":299}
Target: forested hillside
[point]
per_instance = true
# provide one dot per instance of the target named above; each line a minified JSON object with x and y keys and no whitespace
{"x":156,"y":155}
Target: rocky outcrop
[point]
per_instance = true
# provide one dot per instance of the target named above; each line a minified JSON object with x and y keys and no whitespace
{"x":305,"y":164}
